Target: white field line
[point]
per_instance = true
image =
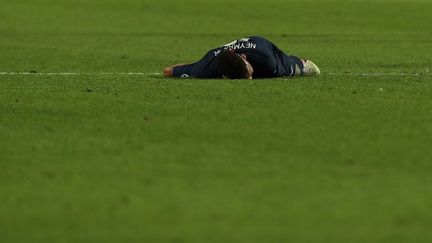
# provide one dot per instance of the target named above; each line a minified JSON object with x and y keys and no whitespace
{"x":427,"y":73}
{"x":78,"y":74}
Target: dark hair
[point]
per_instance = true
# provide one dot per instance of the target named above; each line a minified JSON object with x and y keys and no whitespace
{"x":231,"y":65}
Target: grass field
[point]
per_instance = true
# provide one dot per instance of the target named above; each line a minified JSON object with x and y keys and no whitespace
{"x":92,"y":157}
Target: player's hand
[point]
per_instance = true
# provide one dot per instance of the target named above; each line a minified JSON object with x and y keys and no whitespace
{"x":168,"y":72}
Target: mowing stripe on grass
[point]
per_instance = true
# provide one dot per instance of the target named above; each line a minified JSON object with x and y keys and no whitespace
{"x":160,"y":74}
{"x":377,"y":74}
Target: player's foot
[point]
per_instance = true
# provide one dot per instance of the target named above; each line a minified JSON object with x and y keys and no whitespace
{"x":309,"y":68}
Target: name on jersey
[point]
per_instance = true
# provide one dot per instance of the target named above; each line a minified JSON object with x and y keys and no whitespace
{"x":240,"y":44}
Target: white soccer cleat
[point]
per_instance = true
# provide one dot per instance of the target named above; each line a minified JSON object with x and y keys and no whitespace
{"x":310,"y":68}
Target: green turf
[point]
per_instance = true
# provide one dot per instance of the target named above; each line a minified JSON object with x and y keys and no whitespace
{"x":342,"y":157}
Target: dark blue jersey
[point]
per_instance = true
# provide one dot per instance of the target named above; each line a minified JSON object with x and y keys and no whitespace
{"x":267,"y":60}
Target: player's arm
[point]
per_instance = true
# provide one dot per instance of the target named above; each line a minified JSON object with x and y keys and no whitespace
{"x":196,"y":69}
{"x":168,"y":71}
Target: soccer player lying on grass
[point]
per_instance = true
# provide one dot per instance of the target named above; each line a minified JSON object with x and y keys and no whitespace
{"x":247,"y":58}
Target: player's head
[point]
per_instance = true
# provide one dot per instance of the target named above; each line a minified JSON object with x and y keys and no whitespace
{"x":233,"y":66}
